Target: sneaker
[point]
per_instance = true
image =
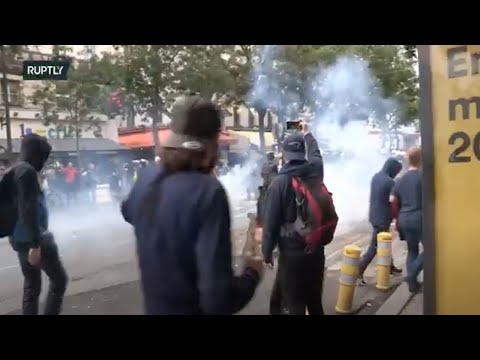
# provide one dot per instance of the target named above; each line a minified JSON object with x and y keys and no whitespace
{"x":414,"y":286}
{"x":361,"y":281}
{"x":395,"y":271}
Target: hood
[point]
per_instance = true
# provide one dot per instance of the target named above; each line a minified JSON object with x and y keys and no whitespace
{"x":35,"y":150}
{"x":392,"y":167}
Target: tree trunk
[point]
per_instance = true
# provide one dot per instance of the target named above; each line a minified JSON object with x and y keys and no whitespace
{"x":128,"y":85}
{"x":77,"y":142}
{"x":236,"y":117}
{"x":261,"y":128}
{"x":281,"y":120}
{"x":251,"y":119}
{"x":269,"y":120}
{"x":130,"y":114}
{"x":6,"y":102}
{"x":156,"y":119}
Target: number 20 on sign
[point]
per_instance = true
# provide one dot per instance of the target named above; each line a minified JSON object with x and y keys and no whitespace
{"x":450,"y":120}
{"x":463,"y":64}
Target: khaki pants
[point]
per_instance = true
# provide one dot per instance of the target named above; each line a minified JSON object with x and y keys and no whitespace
{"x":252,"y":247}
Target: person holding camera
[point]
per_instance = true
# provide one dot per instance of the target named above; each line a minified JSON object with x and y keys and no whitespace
{"x":296,"y":190}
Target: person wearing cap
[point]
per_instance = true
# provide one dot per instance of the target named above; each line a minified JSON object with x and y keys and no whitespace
{"x":181,"y":218}
{"x":298,"y":284}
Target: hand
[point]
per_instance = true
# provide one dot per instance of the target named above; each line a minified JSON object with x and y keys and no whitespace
{"x":269,"y":262}
{"x":304,"y":128}
{"x":34,"y":256}
{"x":258,"y":234}
{"x":255,"y":264}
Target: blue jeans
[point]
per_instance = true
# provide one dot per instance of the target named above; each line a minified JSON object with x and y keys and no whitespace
{"x":414,"y":259}
{"x":413,"y":236}
{"x":372,"y":249}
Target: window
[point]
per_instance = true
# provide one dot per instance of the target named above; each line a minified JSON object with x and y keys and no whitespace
{"x":14,"y":92}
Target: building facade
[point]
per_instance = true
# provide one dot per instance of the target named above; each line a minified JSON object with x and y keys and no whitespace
{"x":26,"y":117}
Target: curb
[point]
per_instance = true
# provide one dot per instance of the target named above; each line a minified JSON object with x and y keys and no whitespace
{"x":397,"y":301}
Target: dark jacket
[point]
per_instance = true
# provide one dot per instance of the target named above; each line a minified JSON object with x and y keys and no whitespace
{"x":32,"y":210}
{"x":182,"y":226}
{"x":280,"y":207}
{"x":269,"y":171}
{"x":380,"y":212}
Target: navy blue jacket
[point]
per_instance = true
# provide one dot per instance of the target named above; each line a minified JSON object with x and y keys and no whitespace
{"x":182,"y":226}
{"x":380,"y":212}
{"x":280,"y":207}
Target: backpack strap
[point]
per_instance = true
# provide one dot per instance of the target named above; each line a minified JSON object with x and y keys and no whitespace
{"x":297,"y":189}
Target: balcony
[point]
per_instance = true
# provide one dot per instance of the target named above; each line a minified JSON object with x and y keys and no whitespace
{"x":14,"y":66}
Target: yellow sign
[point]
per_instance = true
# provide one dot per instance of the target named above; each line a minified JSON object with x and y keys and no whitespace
{"x":450,"y":77}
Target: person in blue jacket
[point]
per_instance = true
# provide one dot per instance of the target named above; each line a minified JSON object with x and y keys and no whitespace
{"x":181,"y":218}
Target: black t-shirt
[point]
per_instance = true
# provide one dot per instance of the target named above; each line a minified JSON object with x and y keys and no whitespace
{"x":408,"y":191}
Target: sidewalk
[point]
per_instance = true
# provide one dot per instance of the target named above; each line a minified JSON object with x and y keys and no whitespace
{"x":126,"y":299}
{"x":414,"y":306}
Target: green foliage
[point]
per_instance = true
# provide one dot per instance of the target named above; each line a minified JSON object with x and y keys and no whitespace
{"x":79,"y":96}
{"x":152,"y":76}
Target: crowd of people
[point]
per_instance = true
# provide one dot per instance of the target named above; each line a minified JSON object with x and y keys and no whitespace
{"x":67,"y":185}
{"x":183,"y":242}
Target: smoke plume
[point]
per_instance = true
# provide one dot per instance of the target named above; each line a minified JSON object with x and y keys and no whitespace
{"x":346,"y":97}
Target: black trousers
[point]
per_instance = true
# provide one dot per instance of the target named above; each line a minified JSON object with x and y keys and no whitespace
{"x":32,"y":285}
{"x":299,"y":283}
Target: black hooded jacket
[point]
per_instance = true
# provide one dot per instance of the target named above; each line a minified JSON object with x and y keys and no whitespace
{"x":280,"y":207}
{"x":32,"y":211}
{"x":380,"y":212}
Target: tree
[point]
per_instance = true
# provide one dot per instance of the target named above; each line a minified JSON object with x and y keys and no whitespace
{"x":284,"y":79}
{"x":79,"y":96}
{"x":154,"y":71}
{"x":6,"y":52}
{"x":229,"y":71}
{"x":390,"y":65}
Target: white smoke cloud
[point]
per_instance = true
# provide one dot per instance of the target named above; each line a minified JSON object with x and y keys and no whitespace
{"x":335,"y":91}
{"x":348,"y":82}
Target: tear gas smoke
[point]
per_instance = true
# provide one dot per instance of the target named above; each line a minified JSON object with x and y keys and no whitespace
{"x":347,"y":82}
{"x":236,"y":183}
{"x":335,"y":91}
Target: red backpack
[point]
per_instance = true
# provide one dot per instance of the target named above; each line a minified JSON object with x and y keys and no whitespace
{"x":317,"y":219}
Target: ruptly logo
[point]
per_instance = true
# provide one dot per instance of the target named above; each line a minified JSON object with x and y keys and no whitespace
{"x":45,"y":70}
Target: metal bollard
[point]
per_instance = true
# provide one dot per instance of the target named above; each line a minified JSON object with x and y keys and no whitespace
{"x":348,"y":279}
{"x":384,"y":260}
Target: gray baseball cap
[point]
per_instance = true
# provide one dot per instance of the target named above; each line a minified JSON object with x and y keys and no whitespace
{"x":195,"y":122}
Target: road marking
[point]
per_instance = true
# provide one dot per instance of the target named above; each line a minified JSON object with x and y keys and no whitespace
{"x":8,"y":267}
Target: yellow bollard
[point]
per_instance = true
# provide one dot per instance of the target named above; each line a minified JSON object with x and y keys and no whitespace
{"x":348,"y":279}
{"x":384,"y":260}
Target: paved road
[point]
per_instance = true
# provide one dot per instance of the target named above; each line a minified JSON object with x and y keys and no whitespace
{"x":97,"y":247}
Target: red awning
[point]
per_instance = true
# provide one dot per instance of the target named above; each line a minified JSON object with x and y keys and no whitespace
{"x":144,"y":139}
